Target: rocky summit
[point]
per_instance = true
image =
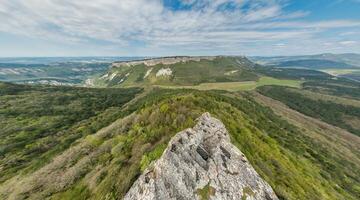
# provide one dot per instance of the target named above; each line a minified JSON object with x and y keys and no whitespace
{"x":201,"y":163}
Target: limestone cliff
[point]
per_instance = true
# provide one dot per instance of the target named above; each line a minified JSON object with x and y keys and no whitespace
{"x":201,"y":163}
{"x":162,"y":60}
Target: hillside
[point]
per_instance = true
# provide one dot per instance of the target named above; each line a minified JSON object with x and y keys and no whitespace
{"x":333,"y":111}
{"x":101,"y":155}
{"x":54,"y":70}
{"x":38,"y":122}
{"x":322,"y":59}
{"x":315,"y":64}
{"x":178,"y":71}
{"x":221,"y":170}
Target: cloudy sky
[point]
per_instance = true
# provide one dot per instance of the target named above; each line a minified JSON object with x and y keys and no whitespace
{"x":178,"y":27}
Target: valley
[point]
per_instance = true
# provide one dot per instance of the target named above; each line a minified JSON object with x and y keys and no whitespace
{"x":179,"y":100}
{"x":238,"y":86}
{"x":296,"y":127}
{"x":68,"y":71}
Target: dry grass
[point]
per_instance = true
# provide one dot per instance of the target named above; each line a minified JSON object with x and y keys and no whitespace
{"x":337,"y":72}
{"x":336,"y":138}
{"x":321,"y":96}
{"x":237,"y":86}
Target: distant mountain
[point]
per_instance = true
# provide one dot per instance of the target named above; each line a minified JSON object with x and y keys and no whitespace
{"x":53,"y":60}
{"x":55,"y":70}
{"x":297,"y":130}
{"x":178,"y":71}
{"x":315,"y":63}
{"x":320,"y":61}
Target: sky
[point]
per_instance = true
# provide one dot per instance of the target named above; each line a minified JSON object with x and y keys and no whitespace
{"x":45,"y":28}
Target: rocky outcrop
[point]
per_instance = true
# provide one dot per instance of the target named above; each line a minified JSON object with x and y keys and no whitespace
{"x":201,"y":163}
{"x":163,"y":60}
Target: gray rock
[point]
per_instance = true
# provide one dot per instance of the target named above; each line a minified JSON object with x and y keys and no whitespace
{"x":201,"y":163}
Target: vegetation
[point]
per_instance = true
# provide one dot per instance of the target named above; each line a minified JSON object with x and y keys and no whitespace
{"x":293,"y":73}
{"x":105,"y":164}
{"x":206,"y":192}
{"x":61,"y":72}
{"x":340,"y":87}
{"x":82,"y":143}
{"x":315,"y":64}
{"x":237,"y":86}
{"x":328,"y":111}
{"x":319,"y":61}
{"x":221,"y":69}
{"x":326,"y":97}
{"x":247,"y":192}
{"x":40,"y":121}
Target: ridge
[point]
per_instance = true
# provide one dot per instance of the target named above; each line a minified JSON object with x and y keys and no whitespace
{"x":201,"y":163}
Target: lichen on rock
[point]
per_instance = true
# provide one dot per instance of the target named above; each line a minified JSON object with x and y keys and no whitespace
{"x":201,"y":163}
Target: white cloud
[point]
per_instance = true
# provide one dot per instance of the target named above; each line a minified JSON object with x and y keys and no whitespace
{"x":348,"y":42}
{"x":207,"y":25}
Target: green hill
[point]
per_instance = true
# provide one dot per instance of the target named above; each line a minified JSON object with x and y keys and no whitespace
{"x":184,"y":71}
{"x":316,"y":64}
{"x":100,"y":154}
{"x":327,"y":60}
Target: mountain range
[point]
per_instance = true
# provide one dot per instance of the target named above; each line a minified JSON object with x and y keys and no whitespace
{"x":330,"y":60}
{"x":183,"y":127}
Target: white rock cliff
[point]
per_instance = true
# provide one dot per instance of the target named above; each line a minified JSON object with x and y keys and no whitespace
{"x":201,"y":163}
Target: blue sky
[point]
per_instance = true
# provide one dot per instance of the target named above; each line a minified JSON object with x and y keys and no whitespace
{"x":178,"y":27}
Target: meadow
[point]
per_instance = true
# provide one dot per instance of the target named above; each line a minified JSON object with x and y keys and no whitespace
{"x":242,"y":85}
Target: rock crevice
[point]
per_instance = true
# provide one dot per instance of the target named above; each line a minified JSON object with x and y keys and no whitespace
{"x":201,"y":163}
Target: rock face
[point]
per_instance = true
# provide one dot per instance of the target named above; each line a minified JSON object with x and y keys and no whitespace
{"x":164,"y":60}
{"x":201,"y":163}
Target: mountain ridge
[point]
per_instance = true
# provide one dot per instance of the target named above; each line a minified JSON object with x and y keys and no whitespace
{"x":102,"y":157}
{"x":178,"y":70}
{"x":201,"y":163}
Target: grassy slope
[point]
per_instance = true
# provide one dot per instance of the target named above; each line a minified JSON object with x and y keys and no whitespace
{"x":237,"y":86}
{"x":341,"y":87}
{"x":332,"y":112}
{"x":38,"y":122}
{"x":316,"y":64}
{"x":105,"y":164}
{"x":326,"y":97}
{"x":222,"y":69}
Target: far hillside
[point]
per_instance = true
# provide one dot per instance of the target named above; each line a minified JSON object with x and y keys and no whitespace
{"x":339,"y":65}
{"x":328,"y":60}
{"x":179,"y":71}
{"x":316,"y":64}
{"x":230,"y":73}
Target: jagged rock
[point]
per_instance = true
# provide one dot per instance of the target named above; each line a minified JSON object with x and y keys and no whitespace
{"x":201,"y":163}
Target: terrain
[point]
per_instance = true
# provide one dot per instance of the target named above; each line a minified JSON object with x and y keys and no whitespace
{"x":339,"y":60}
{"x":297,"y":128}
{"x":178,"y":71}
{"x":221,"y":170}
{"x":71,"y":71}
{"x":341,"y":65}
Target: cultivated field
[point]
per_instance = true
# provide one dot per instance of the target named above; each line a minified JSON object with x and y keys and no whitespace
{"x":243,"y":85}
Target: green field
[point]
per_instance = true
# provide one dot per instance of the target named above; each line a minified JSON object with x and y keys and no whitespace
{"x":244,"y":85}
{"x":337,"y":72}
